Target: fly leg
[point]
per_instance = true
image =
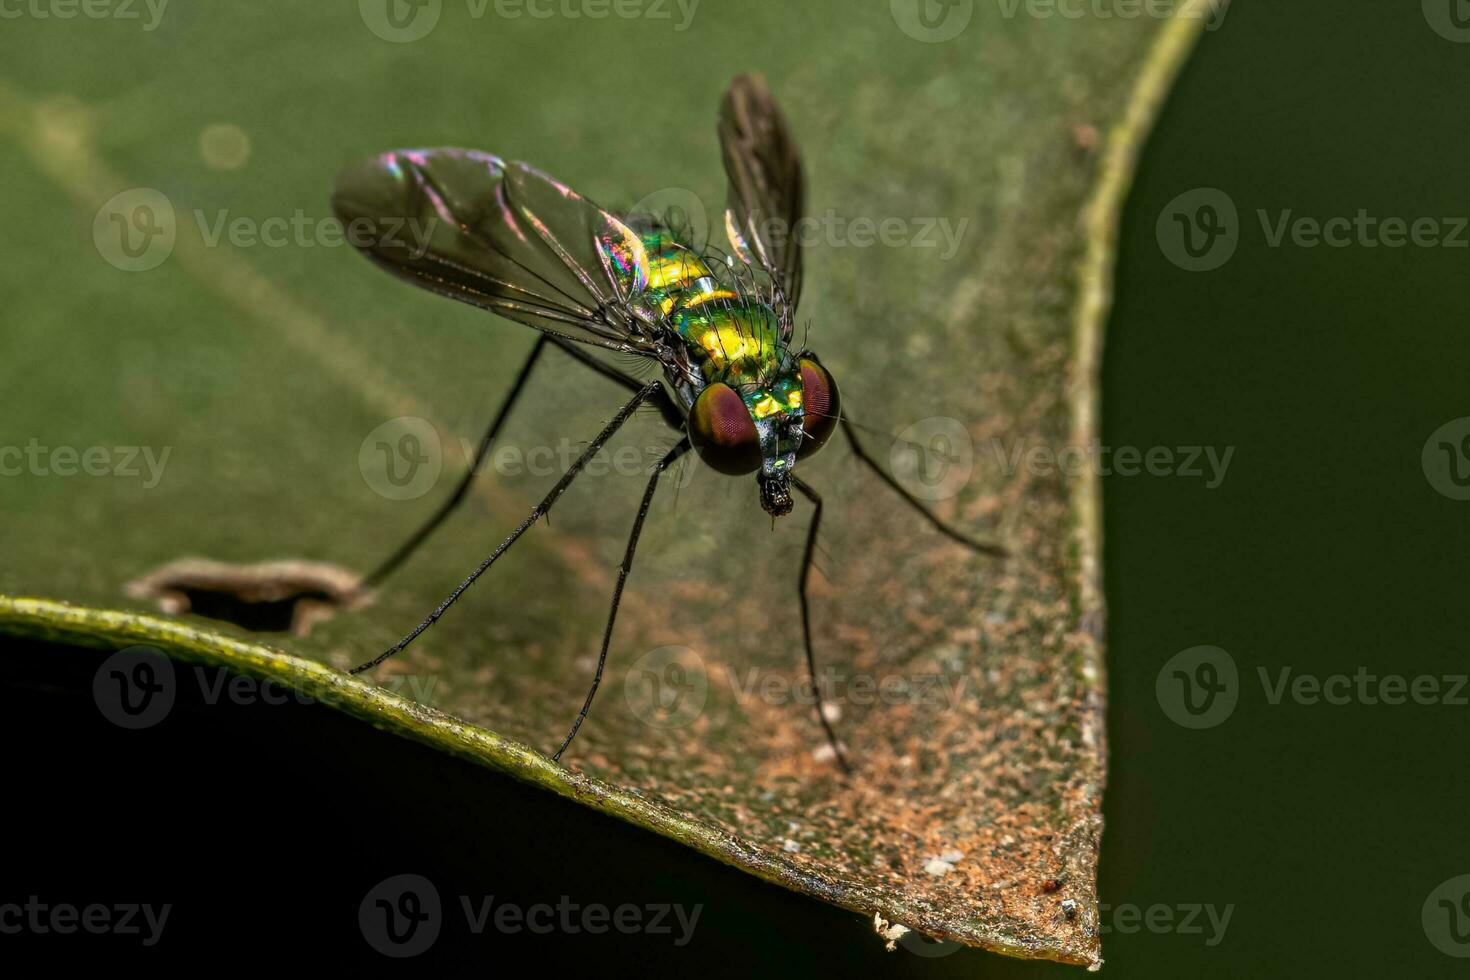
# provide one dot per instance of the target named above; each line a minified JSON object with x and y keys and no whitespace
{"x":679,"y":449}
{"x":806,"y":619}
{"x":401,"y":554}
{"x":577,"y":352}
{"x":654,"y":389}
{"x":984,"y":547}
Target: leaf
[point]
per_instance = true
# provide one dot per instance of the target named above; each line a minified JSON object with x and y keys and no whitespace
{"x":234,"y":394}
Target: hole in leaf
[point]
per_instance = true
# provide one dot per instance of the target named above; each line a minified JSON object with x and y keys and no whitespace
{"x":268,"y":597}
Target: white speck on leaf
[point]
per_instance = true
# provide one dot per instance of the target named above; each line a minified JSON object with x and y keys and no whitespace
{"x":890,"y":933}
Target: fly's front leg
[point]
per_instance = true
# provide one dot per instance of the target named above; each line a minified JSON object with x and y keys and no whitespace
{"x":651,"y":390}
{"x":679,"y":449}
{"x":404,"y":551}
{"x":671,"y":414}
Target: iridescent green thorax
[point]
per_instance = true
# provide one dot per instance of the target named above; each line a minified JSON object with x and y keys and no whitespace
{"x":731,"y":338}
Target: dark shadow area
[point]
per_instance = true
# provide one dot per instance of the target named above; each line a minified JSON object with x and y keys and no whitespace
{"x":265,"y":823}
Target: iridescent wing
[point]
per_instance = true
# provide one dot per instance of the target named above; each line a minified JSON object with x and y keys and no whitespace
{"x":504,"y":237}
{"x":767,"y":193}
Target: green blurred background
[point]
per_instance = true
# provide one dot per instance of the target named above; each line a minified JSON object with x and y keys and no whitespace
{"x":1326,"y":549}
{"x":1323,"y":828}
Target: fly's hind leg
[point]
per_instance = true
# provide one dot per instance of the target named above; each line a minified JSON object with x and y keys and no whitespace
{"x":806,"y":619}
{"x":977,"y":544}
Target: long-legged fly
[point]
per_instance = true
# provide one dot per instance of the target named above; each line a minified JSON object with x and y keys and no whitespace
{"x":510,"y":239}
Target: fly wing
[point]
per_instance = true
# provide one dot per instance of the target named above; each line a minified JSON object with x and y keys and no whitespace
{"x":767,"y":192}
{"x":504,"y":237}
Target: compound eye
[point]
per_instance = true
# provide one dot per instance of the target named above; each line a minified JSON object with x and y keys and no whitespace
{"x":821,"y":406}
{"x":723,"y":433}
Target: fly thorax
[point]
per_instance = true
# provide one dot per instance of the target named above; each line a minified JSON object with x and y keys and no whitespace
{"x":775,"y":405}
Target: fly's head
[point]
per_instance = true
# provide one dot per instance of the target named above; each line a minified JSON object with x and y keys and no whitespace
{"x":764,"y":424}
